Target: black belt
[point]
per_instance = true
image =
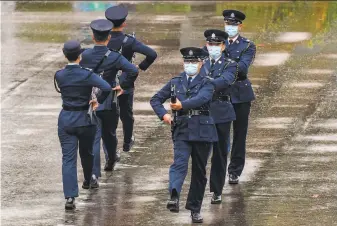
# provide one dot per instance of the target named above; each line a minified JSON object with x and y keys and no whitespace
{"x":71,"y":108}
{"x":193,"y":112}
{"x":222,"y":98}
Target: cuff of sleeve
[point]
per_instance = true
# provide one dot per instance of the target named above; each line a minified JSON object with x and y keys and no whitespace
{"x":162,"y":115}
{"x":185,"y":105}
{"x":142,"y":66}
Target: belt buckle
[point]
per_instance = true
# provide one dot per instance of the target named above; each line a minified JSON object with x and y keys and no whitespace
{"x":190,"y":113}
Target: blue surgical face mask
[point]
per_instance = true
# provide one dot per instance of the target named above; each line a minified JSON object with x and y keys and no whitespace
{"x":214,"y":51}
{"x":232,"y":30}
{"x":191,"y":68}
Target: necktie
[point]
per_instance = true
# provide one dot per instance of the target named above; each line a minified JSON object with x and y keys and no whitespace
{"x":230,"y":42}
{"x":212,"y":62}
{"x":189,"y":81}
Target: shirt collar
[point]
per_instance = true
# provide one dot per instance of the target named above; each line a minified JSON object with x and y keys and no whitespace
{"x":191,"y":77}
{"x":216,"y":60}
{"x":234,"y":39}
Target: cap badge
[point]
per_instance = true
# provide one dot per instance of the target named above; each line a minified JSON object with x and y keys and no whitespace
{"x":232,"y":15}
{"x":190,"y":53}
{"x":213,"y":35}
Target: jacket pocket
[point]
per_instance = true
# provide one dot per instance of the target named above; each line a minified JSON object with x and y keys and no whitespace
{"x":205,"y":130}
{"x":245,"y":90}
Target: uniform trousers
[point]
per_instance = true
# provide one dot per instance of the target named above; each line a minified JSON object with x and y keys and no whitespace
{"x":106,"y":129}
{"x":219,"y":158}
{"x":240,"y":129}
{"x":199,"y":152}
{"x":125,"y":102}
{"x":71,"y":139}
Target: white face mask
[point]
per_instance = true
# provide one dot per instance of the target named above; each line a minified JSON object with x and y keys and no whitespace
{"x":214,"y":51}
{"x":232,"y":30}
{"x":191,"y":68}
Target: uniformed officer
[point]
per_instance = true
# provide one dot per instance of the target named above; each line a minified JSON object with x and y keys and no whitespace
{"x":242,"y":51}
{"x":107,"y":112}
{"x":193,"y":129}
{"x":75,"y":129}
{"x":128,"y":46}
{"x":220,"y":67}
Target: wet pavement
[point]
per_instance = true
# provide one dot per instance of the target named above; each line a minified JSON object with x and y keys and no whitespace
{"x":290,"y":175}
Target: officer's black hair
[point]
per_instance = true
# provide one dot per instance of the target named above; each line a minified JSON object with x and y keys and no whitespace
{"x":71,"y":57}
{"x":100,"y":36}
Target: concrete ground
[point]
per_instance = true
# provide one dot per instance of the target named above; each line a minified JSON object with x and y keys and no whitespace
{"x":290,"y":174}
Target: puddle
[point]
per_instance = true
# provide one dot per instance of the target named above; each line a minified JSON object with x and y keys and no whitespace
{"x":321,"y":137}
{"x":306,"y":85}
{"x":322,"y":148}
{"x":143,"y":199}
{"x":318,"y":71}
{"x":42,"y":113}
{"x":293,"y":36}
{"x":290,"y":106}
{"x":328,"y":124}
{"x":271,"y":59}
{"x":28,"y":131}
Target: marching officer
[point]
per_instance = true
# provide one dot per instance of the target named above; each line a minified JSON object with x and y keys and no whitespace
{"x":128,"y":46}
{"x":75,"y":129}
{"x":193,"y":129}
{"x":220,"y":67}
{"x":110,"y":62}
{"x":243,"y":52}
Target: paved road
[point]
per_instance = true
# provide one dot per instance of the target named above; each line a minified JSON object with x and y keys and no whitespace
{"x":290,"y":175}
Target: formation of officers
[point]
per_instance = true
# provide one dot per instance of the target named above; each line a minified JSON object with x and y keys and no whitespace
{"x":211,"y":94}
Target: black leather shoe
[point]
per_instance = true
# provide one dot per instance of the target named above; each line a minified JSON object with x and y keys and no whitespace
{"x":127,"y":146}
{"x":70,"y":204}
{"x":109,"y":165}
{"x":196,"y":217}
{"x":173,"y":205}
{"x":118,"y":156}
{"x":233,"y":179}
{"x":94,"y":182}
{"x":216,"y":199}
{"x":86,"y":184}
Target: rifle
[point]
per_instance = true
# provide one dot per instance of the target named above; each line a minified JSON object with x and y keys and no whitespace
{"x":134,"y":54}
{"x":173,"y":100}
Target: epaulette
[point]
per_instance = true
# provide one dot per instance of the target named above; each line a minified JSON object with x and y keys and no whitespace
{"x":130,"y":36}
{"x":208,"y":77}
{"x":230,"y":60}
{"x":247,"y":40}
{"x":113,"y":50}
{"x":85,"y":68}
{"x":179,"y":76}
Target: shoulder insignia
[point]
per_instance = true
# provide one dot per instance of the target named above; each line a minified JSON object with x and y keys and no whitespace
{"x":176,"y":77}
{"x":113,"y":50}
{"x":85,"y":68}
{"x":230,"y":60}
{"x":208,"y":78}
{"x":129,"y":36}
